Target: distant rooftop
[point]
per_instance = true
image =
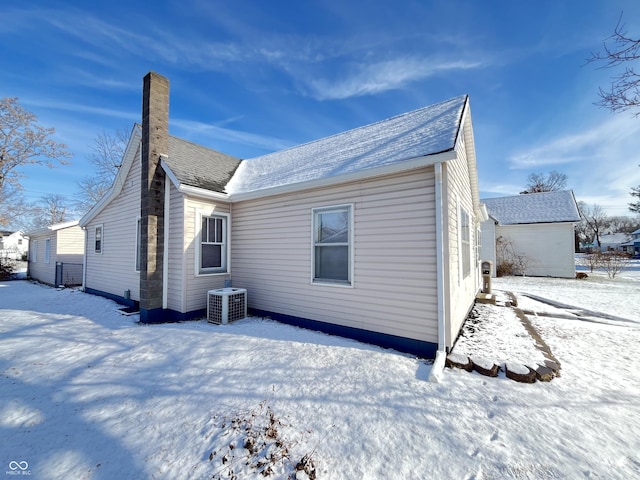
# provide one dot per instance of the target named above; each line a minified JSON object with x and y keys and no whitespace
{"x":545,"y":207}
{"x":426,"y":131}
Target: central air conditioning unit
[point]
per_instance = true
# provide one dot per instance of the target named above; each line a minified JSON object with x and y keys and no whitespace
{"x":226,"y":305}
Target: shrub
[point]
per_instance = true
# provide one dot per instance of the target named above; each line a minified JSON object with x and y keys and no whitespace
{"x":255,"y":447}
{"x":508,"y":261}
{"x":7,"y":267}
{"x":615,"y":262}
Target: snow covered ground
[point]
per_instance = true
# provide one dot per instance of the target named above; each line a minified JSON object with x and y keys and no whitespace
{"x":88,"y":393}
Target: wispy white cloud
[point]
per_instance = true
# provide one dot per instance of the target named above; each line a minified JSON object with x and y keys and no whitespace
{"x":381,"y":76}
{"x":80,"y":108}
{"x":619,"y":135}
{"x":216,"y":133}
{"x":602,"y":162}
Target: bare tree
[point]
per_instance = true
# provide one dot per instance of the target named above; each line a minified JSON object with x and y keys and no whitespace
{"x":12,"y":205}
{"x":56,"y":208}
{"x":49,"y":210}
{"x":106,"y":157}
{"x":24,"y":142}
{"x":596,"y":220}
{"x":619,"y":50}
{"x":615,"y":262}
{"x":622,"y":224}
{"x":540,"y":182}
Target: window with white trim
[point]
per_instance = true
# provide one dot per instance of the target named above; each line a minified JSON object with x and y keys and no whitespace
{"x":47,"y":250}
{"x":332,"y":244}
{"x":213,"y":244}
{"x":97,"y":247}
{"x":465,"y":242}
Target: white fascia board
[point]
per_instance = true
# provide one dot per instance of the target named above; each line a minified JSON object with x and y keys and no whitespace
{"x":484,"y":214}
{"x":53,"y":228}
{"x":203,"y":193}
{"x":466,"y":128}
{"x":169,"y":172}
{"x":412,"y":164}
{"x":60,"y":226}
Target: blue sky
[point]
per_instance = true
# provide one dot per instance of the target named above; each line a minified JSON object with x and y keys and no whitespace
{"x":251,"y":77}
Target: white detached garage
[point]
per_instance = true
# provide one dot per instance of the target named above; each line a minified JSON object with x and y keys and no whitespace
{"x":535,"y":230}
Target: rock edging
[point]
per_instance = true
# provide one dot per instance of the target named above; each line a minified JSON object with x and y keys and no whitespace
{"x":515,"y":371}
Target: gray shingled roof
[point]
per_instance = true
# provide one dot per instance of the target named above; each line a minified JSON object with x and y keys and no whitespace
{"x":426,"y":131}
{"x":545,"y":207}
{"x":199,"y":166}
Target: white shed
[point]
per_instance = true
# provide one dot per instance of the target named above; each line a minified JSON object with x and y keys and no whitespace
{"x":534,"y":232}
{"x":56,"y":254}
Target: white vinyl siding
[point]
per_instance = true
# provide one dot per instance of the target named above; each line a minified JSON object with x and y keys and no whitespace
{"x":547,"y":248}
{"x":394,"y":264}
{"x":185,"y":246}
{"x":464,"y":278}
{"x":332,"y":244}
{"x":114,"y":270}
{"x":64,"y":245}
{"x":176,"y":251}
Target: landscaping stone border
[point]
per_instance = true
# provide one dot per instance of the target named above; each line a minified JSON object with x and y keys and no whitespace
{"x":520,"y":373}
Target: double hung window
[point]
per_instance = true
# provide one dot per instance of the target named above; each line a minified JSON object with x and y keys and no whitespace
{"x":332,"y":245}
{"x":465,"y":242}
{"x":213,"y":244}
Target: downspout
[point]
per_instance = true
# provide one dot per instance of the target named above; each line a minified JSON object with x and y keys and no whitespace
{"x":84,"y":260}
{"x":165,"y":257}
{"x":438,"y":364}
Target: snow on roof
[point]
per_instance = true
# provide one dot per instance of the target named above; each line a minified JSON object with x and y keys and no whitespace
{"x":545,"y":207}
{"x":422,"y":132}
{"x":54,"y":227}
{"x":614,"y":238}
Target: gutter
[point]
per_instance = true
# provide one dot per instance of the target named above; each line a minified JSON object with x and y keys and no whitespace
{"x":409,"y":164}
{"x":441,"y":354}
{"x":84,"y":260}
{"x":165,"y":248}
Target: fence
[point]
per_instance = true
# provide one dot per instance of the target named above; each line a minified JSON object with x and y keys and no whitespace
{"x":68,"y":274}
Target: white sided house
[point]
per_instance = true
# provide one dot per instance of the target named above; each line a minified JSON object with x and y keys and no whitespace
{"x":533,"y":231}
{"x":369,"y":234}
{"x":56,"y":254}
{"x":13,"y":244}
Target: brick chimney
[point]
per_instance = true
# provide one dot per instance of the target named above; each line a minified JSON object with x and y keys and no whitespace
{"x":155,"y":142}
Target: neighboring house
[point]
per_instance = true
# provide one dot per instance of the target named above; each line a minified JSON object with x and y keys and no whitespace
{"x":613,"y":242}
{"x":535,"y":231}
{"x":632,"y":246}
{"x":369,"y":234}
{"x":56,"y":254}
{"x":13,"y":244}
